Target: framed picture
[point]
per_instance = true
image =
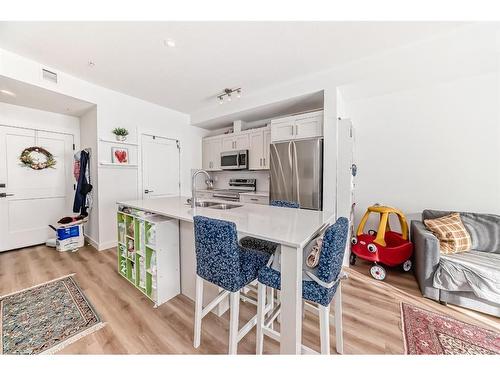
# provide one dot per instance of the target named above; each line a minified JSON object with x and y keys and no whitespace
{"x":119,"y":155}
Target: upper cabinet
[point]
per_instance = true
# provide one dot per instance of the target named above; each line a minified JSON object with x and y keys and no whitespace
{"x":235,"y":142}
{"x":306,"y":125}
{"x":212,"y":147}
{"x":258,"y":151}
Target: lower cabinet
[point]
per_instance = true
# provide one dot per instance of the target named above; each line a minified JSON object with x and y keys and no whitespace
{"x":255,"y":199}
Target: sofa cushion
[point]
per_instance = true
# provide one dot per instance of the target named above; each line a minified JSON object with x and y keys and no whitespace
{"x":484,"y":229}
{"x":473,"y":271}
{"x":451,"y":233}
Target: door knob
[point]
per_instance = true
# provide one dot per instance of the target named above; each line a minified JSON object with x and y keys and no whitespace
{"x":146,"y":191}
{"x":3,"y":195}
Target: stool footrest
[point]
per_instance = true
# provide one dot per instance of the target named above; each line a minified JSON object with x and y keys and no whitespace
{"x":214,"y":302}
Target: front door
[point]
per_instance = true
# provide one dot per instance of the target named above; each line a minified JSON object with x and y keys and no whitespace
{"x":160,"y":167}
{"x":32,"y":199}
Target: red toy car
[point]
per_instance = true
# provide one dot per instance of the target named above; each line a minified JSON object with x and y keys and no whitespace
{"x":383,"y":246}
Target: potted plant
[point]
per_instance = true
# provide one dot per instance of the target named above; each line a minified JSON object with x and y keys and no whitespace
{"x":121,"y":134}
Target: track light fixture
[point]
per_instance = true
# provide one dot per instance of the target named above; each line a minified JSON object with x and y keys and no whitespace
{"x":227,"y":95}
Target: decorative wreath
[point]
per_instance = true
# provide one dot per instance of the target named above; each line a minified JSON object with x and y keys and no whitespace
{"x":37,"y":158}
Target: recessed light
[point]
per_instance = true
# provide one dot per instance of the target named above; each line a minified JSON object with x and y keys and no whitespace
{"x":169,"y":43}
{"x":7,"y":92}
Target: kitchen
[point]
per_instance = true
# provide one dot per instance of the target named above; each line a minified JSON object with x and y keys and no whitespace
{"x":255,"y":165}
{"x":245,"y":170}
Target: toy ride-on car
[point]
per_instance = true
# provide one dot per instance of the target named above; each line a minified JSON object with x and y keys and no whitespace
{"x":384,"y":246}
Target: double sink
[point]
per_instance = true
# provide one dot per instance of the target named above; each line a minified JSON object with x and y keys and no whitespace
{"x":217,"y":205}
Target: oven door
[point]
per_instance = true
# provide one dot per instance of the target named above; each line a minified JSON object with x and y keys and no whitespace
{"x":229,"y":160}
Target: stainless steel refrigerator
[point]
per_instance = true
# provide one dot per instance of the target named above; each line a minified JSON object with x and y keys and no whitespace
{"x":297,"y":172}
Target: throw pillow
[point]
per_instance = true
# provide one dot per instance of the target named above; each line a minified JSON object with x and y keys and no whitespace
{"x":451,"y":233}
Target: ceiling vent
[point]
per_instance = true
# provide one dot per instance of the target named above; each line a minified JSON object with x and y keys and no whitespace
{"x":49,"y":76}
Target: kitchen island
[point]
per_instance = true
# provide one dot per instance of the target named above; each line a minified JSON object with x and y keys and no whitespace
{"x":291,"y":228}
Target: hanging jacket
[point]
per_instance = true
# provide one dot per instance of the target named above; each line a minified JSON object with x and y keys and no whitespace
{"x":83,"y":186}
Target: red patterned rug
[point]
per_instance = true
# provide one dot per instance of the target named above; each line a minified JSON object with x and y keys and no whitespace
{"x":425,"y":332}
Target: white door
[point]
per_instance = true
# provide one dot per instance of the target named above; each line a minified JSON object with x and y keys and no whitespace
{"x":160,"y":159}
{"x":256,"y":151}
{"x":39,"y":197}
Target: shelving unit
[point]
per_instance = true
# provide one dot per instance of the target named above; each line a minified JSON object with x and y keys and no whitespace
{"x":117,"y":165}
{"x":118,"y":142}
{"x":148,"y":253}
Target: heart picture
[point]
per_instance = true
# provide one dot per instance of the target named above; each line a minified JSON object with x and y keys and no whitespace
{"x":120,"y":155}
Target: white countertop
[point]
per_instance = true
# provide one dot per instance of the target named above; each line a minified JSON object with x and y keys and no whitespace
{"x":288,"y":226}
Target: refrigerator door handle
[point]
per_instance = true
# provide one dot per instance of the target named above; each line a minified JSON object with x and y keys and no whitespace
{"x":296,"y":172}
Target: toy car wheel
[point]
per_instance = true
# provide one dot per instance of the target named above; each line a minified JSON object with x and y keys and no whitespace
{"x":407,"y":265}
{"x":352,"y":259}
{"x":377,"y":272}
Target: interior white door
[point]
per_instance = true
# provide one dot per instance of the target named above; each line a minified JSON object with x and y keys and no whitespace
{"x":31,"y":199}
{"x":160,"y":167}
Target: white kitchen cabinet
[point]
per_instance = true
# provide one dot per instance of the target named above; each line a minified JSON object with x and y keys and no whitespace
{"x":258,"y":151}
{"x":267,"y":148}
{"x":212,"y":147}
{"x":254,"y":198}
{"x":235,"y":142}
{"x":306,"y":125}
{"x":282,"y":131}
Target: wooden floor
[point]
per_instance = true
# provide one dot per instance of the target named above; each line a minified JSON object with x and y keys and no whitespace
{"x":371,"y":308}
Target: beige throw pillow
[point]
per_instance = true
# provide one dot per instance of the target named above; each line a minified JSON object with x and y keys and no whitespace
{"x":451,"y":233}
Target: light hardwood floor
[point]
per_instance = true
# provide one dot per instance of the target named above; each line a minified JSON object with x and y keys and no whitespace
{"x":371,"y":309}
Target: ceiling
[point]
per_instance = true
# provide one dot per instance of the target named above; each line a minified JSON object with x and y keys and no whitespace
{"x":261,"y":115}
{"x":21,"y":93}
{"x":132,"y":57}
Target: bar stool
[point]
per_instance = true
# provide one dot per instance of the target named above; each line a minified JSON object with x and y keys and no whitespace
{"x":321,"y":288}
{"x":221,"y":261}
{"x":268,"y":246}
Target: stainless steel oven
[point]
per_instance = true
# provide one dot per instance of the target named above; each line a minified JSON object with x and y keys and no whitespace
{"x":234,"y":159}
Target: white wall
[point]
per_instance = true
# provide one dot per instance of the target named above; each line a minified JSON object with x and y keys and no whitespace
{"x":115,"y":109}
{"x":88,"y":139}
{"x":445,"y":84}
{"x":14,"y":115}
{"x":434,"y":146}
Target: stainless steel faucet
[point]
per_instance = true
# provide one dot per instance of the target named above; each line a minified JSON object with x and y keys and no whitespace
{"x":193,"y":185}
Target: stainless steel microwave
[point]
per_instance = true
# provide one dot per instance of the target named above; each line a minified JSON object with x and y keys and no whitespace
{"x":234,"y":159}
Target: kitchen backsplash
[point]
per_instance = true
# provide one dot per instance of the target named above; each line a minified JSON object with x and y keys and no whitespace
{"x":221,"y":179}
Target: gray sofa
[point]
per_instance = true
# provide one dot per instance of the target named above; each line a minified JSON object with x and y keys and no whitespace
{"x":470,"y":279}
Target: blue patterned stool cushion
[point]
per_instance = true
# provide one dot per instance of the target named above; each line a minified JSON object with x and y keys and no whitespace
{"x":219,"y":258}
{"x":328,"y":270}
{"x":280,"y":203}
{"x":258,"y":244}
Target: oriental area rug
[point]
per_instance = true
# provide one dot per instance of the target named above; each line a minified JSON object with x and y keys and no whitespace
{"x":426,"y":332}
{"x":45,"y":318}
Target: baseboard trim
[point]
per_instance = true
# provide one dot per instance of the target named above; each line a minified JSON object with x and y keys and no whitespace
{"x":107,"y":245}
{"x":100,"y":246}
